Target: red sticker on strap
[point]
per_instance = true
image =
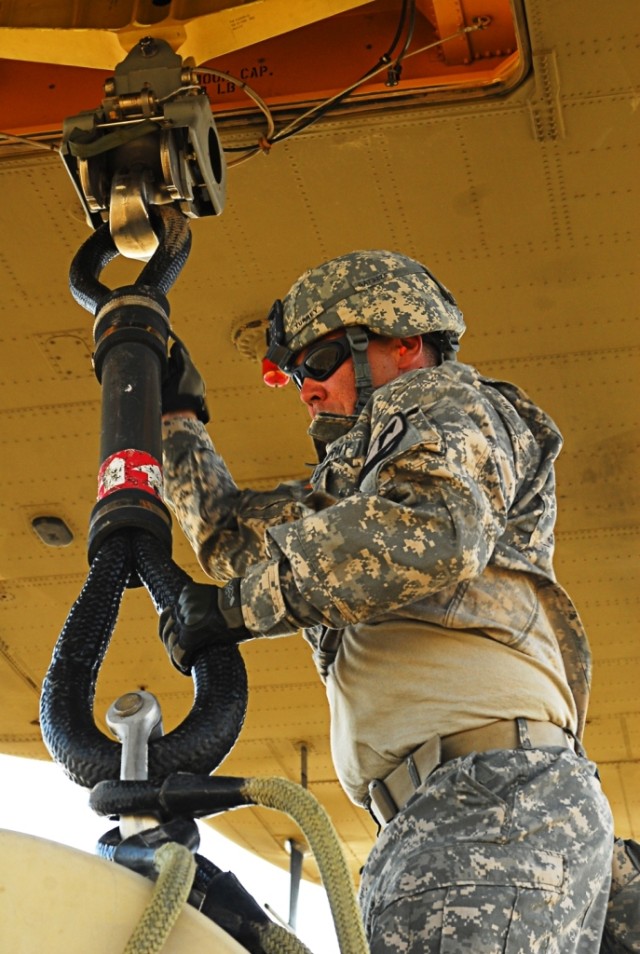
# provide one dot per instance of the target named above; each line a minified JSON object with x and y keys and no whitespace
{"x":130,"y":470}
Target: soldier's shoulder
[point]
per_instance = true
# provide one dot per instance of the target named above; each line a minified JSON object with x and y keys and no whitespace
{"x":453,"y":382}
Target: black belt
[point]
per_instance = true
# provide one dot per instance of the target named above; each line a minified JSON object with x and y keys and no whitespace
{"x":389,"y":796}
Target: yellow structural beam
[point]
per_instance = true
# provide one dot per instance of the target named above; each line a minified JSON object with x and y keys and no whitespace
{"x":49,"y":36}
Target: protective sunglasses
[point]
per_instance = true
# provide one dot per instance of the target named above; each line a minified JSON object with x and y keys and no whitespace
{"x":321,"y":361}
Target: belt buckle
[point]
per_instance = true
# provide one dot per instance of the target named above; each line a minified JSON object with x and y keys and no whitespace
{"x":383,"y":806}
{"x":426,"y":760}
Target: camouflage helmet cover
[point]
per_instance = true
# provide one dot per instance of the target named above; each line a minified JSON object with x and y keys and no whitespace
{"x":386,"y":292}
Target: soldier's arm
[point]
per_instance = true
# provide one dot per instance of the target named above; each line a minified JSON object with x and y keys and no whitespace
{"x":225,"y":525}
{"x":428,"y":518}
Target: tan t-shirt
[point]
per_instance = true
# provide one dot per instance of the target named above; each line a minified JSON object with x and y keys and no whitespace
{"x":396,"y":684}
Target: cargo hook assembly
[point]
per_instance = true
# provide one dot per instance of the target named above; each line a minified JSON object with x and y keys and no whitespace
{"x":130,"y":527}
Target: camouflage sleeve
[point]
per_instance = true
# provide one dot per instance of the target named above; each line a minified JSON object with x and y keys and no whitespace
{"x":224,"y":525}
{"x":428,"y":517}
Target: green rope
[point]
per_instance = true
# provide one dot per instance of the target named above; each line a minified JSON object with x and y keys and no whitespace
{"x":275,"y":939}
{"x":176,"y":870}
{"x":316,"y":825}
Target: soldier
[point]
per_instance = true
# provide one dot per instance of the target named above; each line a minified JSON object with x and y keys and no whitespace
{"x":419,"y":565}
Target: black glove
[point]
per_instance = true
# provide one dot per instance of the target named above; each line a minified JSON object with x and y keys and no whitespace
{"x":204,"y":615}
{"x":183,"y":388}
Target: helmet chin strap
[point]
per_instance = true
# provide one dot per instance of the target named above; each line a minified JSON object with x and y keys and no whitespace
{"x":359,"y":342}
{"x":326,"y":428}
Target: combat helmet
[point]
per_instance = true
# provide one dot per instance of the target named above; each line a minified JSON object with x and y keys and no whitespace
{"x":385,"y":292}
{"x":375,"y":291}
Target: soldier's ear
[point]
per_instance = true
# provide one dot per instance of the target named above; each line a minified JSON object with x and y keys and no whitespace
{"x":409,"y":353}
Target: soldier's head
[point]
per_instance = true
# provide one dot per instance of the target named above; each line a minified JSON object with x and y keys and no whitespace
{"x":384,"y":311}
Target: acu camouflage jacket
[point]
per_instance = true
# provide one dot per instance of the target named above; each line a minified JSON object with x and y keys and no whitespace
{"x":433,"y":507}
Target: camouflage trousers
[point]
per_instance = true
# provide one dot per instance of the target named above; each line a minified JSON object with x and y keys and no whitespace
{"x":497,"y":853}
{"x":622,"y":927}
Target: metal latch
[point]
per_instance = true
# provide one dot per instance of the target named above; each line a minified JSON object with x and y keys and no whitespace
{"x":152,"y":141}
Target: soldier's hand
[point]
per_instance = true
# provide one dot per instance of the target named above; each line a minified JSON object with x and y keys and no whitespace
{"x":183,"y":388}
{"x":204,"y":615}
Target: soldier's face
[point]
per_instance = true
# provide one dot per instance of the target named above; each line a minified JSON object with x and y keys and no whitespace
{"x":337,"y":394}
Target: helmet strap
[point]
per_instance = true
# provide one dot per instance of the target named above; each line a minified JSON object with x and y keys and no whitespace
{"x":446,"y":343}
{"x":359,"y":342}
{"x":326,"y":428}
